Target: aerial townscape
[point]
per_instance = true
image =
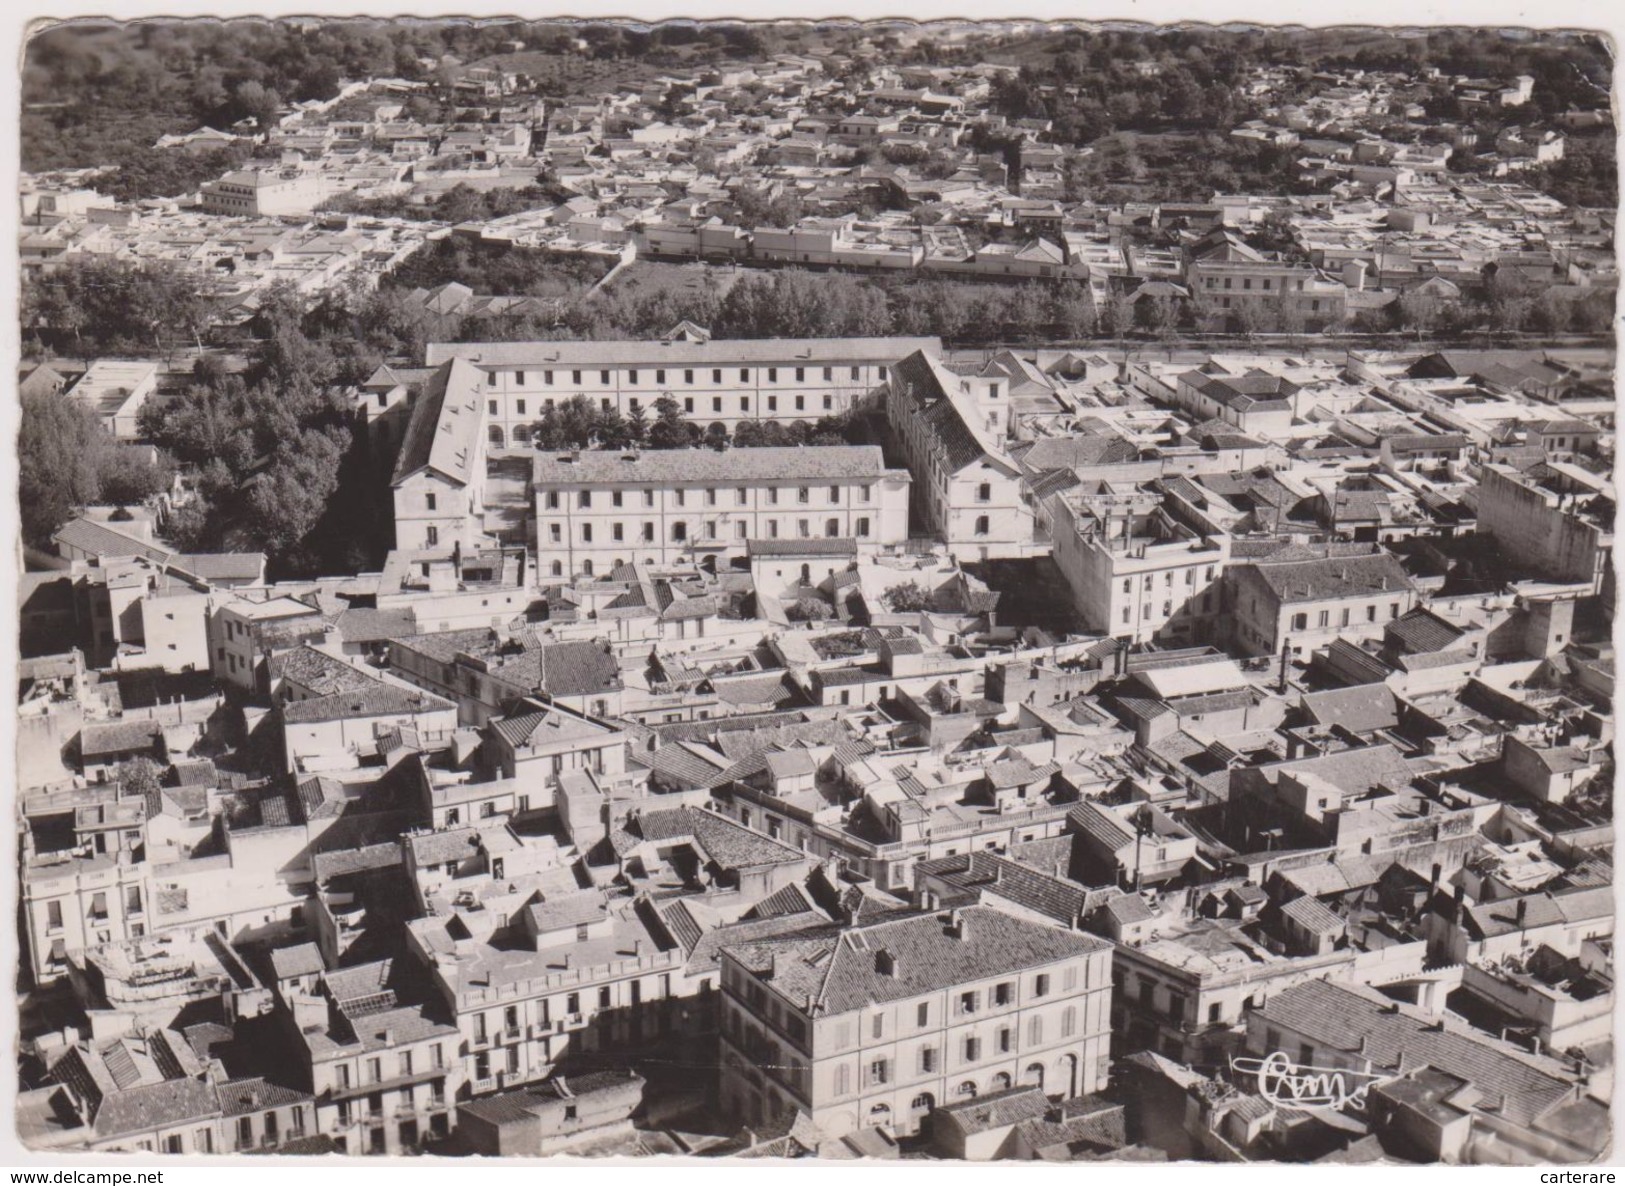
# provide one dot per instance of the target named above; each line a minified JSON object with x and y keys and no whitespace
{"x":1010,"y":590}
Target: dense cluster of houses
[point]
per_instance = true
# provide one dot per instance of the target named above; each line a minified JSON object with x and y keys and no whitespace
{"x":870,"y":168}
{"x":746,"y":760}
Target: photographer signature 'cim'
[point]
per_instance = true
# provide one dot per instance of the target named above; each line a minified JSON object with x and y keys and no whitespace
{"x":1281,"y":1081}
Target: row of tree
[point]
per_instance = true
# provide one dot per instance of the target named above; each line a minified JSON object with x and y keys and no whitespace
{"x":461,"y":203}
{"x":580,"y":423}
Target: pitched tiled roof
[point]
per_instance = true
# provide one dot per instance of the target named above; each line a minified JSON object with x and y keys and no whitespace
{"x":1489,"y":919}
{"x":578,"y":669}
{"x":1054,"y":897}
{"x":686,"y":922}
{"x":322,"y":673}
{"x":998,"y":1110}
{"x":241,"y":1096}
{"x":730,"y":845}
{"x":775,"y":688}
{"x":443,"y":433}
{"x":665,"y":467}
{"x":1071,"y":452}
{"x":338,"y":862}
{"x":801,"y":547}
{"x":223,"y":566}
{"x":1107,"y":827}
{"x":302,"y":960}
{"x":791,"y":899}
{"x":1422,"y":631}
{"x":379,"y":699}
{"x":1102,"y":1128}
{"x":921,"y":379}
{"x":679,"y":353}
{"x":374,"y":625}
{"x":1339,"y":1017}
{"x":1332,"y":577}
{"x":1359,"y":709}
{"x":687,"y":765}
{"x":102,"y":541}
{"x":154,"y":1106}
{"x":1348,"y":655}
{"x":841,"y":972}
{"x":320,"y":797}
{"x":1310,"y":914}
{"x":705,"y":955}
{"x":115,"y":737}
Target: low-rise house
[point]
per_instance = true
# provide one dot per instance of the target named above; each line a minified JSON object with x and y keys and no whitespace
{"x":1284,"y":602}
{"x":558,"y":1116}
{"x":1449,"y":1095}
{"x":115,"y":392}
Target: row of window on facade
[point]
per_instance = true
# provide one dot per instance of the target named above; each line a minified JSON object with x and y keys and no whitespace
{"x":97,"y":913}
{"x":1167,"y":579}
{"x":1323,"y":618}
{"x":1246,"y":284}
{"x":405,"y":1066}
{"x":710,"y":530}
{"x":879,"y":1074}
{"x":522,"y":434}
{"x":966,"y":1004}
{"x":243,"y":1132}
{"x":1167,"y":609}
{"x":372,"y":1105}
{"x":617,"y":498}
{"x":605,"y":377}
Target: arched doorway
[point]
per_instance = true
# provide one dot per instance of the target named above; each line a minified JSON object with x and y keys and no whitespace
{"x":919,"y":1117}
{"x":1001,"y":1082}
{"x":879,"y":1115}
{"x":1034,"y":1075}
{"x":1066,"y":1068}
{"x":496,"y":436}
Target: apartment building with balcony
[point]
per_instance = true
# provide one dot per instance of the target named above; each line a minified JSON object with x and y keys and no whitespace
{"x":381,"y":1058}
{"x":598,"y":511}
{"x":571,"y":974}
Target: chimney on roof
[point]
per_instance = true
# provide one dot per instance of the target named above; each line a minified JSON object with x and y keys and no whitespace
{"x":958,"y":925}
{"x":886,"y":963}
{"x":1523,"y":912}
